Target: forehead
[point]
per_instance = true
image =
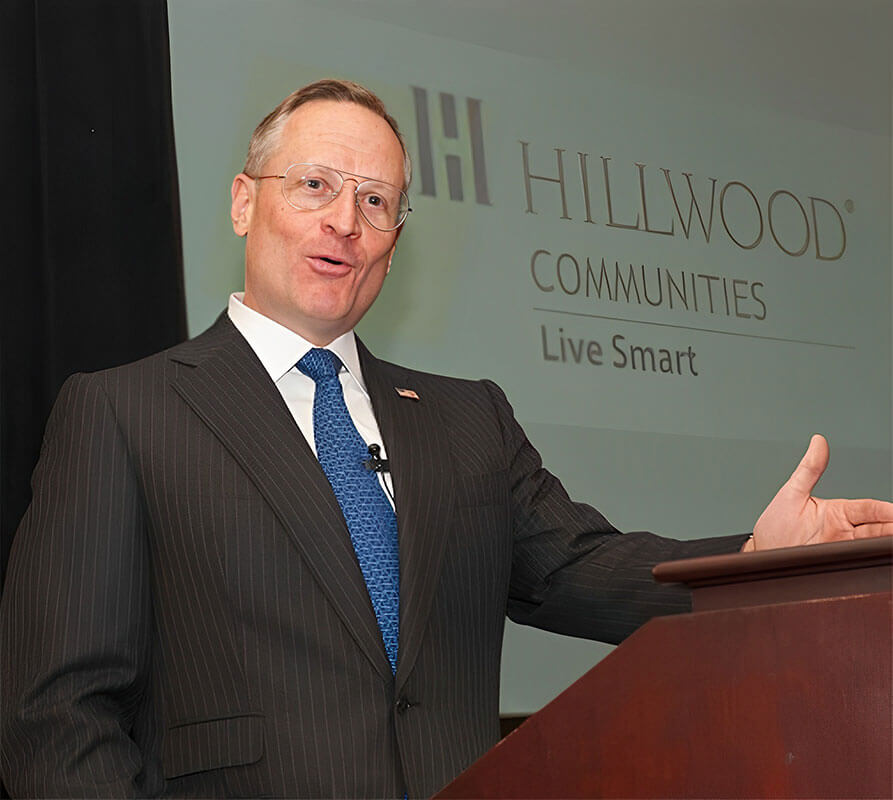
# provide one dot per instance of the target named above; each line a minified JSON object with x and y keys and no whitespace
{"x":346,"y":136}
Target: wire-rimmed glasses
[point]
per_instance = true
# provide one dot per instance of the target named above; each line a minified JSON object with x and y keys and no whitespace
{"x":307,"y":187}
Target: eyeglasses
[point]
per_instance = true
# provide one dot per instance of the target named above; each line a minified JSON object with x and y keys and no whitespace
{"x":310,"y":186}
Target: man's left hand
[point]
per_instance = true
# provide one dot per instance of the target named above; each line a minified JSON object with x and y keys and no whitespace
{"x":795,"y":517}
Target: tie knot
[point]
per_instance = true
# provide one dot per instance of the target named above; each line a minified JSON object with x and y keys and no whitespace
{"x":319,"y":364}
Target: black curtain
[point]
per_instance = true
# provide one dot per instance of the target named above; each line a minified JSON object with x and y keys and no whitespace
{"x":92,"y":260}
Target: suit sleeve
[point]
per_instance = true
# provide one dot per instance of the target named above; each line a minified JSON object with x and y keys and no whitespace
{"x":76,"y":612}
{"x":572,"y":571}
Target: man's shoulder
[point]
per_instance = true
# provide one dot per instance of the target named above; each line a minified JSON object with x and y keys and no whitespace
{"x":461,"y":394}
{"x":410,"y":378}
{"x":216,"y":340}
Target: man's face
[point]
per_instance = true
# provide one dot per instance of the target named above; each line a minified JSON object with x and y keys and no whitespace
{"x":289,"y":253}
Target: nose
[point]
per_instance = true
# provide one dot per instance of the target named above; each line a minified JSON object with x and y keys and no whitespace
{"x":342,"y":215}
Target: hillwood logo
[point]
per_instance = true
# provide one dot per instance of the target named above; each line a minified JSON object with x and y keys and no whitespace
{"x":746,"y":219}
{"x":473,"y":146}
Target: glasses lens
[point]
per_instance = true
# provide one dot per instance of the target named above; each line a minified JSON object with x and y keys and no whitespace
{"x":310,"y":186}
{"x":383,"y":205}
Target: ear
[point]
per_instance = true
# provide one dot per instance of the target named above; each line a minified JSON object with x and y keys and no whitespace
{"x":243,"y":190}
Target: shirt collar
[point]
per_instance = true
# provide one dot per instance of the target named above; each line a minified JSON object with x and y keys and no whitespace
{"x":280,"y":348}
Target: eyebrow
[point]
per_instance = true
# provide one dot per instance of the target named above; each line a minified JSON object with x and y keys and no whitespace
{"x":344,"y":172}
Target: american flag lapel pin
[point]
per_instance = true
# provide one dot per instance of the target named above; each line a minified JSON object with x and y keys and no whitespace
{"x":408,"y":393}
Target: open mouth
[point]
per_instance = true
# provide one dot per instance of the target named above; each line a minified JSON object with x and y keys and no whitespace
{"x":330,"y":266}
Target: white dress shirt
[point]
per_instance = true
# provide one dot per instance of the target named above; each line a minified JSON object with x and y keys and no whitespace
{"x":279,"y":350}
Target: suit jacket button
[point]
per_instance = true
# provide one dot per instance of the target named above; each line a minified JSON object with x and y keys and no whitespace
{"x":403,"y":705}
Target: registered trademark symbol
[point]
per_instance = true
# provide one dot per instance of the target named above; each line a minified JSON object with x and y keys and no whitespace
{"x":849,"y":205}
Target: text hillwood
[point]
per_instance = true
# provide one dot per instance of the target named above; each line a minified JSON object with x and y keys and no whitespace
{"x":815,"y":232}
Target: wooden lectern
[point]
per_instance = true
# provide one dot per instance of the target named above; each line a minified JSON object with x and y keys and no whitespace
{"x":778,"y":684}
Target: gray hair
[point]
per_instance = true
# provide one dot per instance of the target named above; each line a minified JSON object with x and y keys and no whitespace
{"x":266,"y":136}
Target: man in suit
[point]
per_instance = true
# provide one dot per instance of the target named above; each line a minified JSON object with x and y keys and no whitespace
{"x":189,"y":609}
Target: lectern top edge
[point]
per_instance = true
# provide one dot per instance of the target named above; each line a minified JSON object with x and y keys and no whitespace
{"x":851,"y":554}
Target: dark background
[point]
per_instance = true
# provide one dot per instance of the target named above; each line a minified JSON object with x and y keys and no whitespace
{"x":92,"y":257}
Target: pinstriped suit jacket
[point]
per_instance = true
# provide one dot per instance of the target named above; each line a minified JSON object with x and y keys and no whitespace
{"x":185,"y":616}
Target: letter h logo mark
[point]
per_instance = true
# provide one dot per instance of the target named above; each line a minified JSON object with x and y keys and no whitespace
{"x":451,"y":131}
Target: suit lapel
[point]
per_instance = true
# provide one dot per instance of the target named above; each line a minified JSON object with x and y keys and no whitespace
{"x":418,"y":452}
{"x":230,"y":391}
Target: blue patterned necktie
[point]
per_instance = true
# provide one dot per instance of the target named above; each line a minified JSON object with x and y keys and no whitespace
{"x":370,"y":519}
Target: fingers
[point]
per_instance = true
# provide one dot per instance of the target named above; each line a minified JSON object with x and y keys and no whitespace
{"x":872,"y":529}
{"x":863,"y":512}
{"x":804,"y":478}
